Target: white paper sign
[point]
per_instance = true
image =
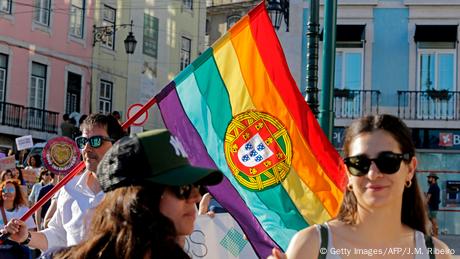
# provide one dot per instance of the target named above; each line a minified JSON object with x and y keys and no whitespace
{"x":24,"y":142}
{"x":136,"y":129}
{"x":147,"y":90}
{"x":218,"y":237}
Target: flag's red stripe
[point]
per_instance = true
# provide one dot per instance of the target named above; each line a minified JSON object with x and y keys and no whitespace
{"x":280,"y":75}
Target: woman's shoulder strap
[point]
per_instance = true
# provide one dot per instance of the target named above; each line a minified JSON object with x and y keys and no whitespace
{"x":324,"y":236}
{"x":430,"y":246}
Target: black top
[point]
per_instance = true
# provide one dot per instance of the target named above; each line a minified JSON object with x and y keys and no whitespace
{"x":434,"y":201}
{"x":44,"y":190}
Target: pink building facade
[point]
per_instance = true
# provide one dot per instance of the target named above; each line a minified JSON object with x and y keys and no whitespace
{"x":45,"y":65}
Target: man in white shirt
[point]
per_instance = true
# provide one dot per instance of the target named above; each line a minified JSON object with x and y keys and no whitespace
{"x":80,"y":196}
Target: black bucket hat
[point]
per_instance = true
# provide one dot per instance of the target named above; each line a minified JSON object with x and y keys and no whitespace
{"x":433,"y":175}
{"x":154,"y":156}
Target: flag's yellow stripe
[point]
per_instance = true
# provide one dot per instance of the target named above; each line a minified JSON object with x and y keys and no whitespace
{"x":266,"y":99}
{"x":308,"y":204}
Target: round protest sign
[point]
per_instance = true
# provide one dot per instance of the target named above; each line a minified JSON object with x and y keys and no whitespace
{"x":133,"y":109}
{"x":61,"y":155}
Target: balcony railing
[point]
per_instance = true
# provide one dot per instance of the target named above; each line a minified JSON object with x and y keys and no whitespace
{"x":350,"y":104}
{"x":429,"y":105}
{"x":11,"y":114}
{"x":28,"y":118}
{"x":41,"y":120}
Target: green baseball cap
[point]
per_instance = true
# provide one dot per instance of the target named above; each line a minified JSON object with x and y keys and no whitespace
{"x":154,"y":156}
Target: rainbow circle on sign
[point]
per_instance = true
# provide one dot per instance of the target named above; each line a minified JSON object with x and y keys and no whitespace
{"x":60,"y":155}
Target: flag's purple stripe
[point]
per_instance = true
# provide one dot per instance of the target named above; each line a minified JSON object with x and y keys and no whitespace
{"x":178,"y":123}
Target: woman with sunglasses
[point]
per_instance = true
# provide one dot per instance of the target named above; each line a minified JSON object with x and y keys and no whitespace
{"x":44,"y":179}
{"x":382,"y":213}
{"x":13,"y":204}
{"x":150,"y":201}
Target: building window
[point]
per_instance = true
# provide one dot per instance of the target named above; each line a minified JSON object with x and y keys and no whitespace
{"x":105,"y":97}
{"x":109,"y":19}
{"x":5,"y":6}
{"x":188,"y":4}
{"x":3,"y":71}
{"x":436,"y":69}
{"x":186,"y":47}
{"x":150,"y":42}
{"x":348,"y":69}
{"x":231,"y":20}
{"x":436,"y":55}
{"x":35,"y":112}
{"x":42,"y":12}
{"x":436,"y":66}
{"x":77,"y":11}
{"x":73,"y":93}
{"x":37,"y":86}
{"x":348,"y":75}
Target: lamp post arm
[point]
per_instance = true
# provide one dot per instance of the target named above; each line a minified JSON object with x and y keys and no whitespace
{"x":100,"y":33}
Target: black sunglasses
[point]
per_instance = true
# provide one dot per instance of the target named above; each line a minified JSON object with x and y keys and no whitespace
{"x":387,"y":162}
{"x":94,"y":141}
{"x":183,"y":192}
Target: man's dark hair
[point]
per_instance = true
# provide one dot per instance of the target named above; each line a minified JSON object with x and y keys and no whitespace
{"x":65,"y":116}
{"x":108,"y":122}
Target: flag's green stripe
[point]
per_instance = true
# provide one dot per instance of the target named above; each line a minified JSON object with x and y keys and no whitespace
{"x":211,"y":116}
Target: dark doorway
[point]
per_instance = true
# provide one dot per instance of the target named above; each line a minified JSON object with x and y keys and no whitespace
{"x":73,"y":93}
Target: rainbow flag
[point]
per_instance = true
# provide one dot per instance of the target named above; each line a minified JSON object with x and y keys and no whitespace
{"x":237,"y":108}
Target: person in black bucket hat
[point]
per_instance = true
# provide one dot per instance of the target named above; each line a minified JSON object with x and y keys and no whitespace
{"x":433,"y":199}
{"x":151,"y":191}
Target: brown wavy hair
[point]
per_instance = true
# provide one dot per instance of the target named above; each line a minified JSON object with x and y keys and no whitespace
{"x":19,"y":199}
{"x":413,"y":213}
{"x":128,"y":224}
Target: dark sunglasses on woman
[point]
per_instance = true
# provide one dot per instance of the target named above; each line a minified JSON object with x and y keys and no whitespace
{"x":183,"y":192}
{"x":94,"y":141}
{"x":387,"y":162}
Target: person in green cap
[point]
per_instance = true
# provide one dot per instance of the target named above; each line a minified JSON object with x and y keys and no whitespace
{"x":150,"y":202}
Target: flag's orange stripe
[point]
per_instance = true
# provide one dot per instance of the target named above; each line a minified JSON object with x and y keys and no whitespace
{"x":266,"y":98}
{"x":306,"y":202}
{"x":277,"y":69}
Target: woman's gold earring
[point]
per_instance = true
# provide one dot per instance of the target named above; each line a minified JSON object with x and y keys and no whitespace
{"x":349,"y":187}
{"x":408,"y":184}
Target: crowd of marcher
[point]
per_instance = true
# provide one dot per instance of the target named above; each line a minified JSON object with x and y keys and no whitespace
{"x":18,"y":195}
{"x":138,"y":196}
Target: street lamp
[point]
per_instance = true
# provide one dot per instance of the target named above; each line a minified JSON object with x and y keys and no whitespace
{"x":102,"y":33}
{"x":277,"y":10}
{"x":311,"y":95}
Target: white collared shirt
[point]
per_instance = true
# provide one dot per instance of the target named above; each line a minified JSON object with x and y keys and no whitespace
{"x":75,"y":205}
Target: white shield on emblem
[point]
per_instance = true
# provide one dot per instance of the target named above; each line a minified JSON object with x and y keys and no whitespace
{"x":254,"y":151}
